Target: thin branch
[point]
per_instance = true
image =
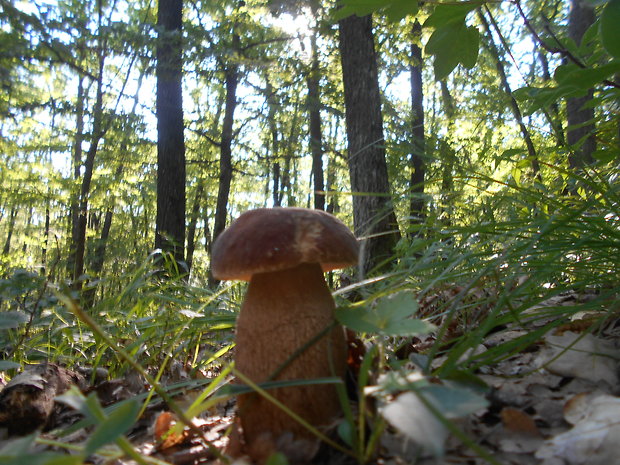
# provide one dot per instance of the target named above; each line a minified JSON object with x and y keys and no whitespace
{"x":559,"y":50}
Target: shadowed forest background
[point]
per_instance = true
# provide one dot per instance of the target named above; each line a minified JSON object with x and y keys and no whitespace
{"x":473,"y":147}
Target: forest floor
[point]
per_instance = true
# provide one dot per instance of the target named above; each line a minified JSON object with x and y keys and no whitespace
{"x":552,"y":403}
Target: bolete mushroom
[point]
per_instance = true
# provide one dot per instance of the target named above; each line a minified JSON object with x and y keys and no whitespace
{"x":283,"y":253}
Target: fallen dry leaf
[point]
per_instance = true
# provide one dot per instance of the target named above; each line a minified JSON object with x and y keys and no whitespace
{"x":517,"y":421}
{"x":581,"y":356}
{"x":410,"y":416}
{"x":163,"y":436}
{"x":595,"y":437}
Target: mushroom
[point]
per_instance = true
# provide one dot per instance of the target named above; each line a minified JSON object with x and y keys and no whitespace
{"x":283,"y":253}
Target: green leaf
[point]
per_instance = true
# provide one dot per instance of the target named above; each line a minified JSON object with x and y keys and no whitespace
{"x":357,"y":7}
{"x":390,"y":316}
{"x":277,"y":458}
{"x":589,"y":41}
{"x":346,"y":432}
{"x":19,"y":446}
{"x":113,"y":427}
{"x":453,"y":44}
{"x":605,"y":155}
{"x":42,"y":458}
{"x":470,"y":47}
{"x":535,"y":98}
{"x":19,"y":452}
{"x":610,"y":28}
{"x":516,"y":175}
{"x":455,"y":401}
{"x":8,"y":365}
{"x":572,"y":76}
{"x":445,"y":14}
{"x":395,"y":10}
{"x":510,"y":153}
{"x":342,"y":13}
{"x":398,"y":9}
{"x":10,"y":320}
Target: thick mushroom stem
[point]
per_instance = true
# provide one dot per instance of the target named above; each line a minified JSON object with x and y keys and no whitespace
{"x":282,"y":312}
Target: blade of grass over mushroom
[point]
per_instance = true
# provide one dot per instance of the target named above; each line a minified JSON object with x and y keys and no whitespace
{"x":263,"y":393}
{"x":236,"y":389}
{"x":301,"y":350}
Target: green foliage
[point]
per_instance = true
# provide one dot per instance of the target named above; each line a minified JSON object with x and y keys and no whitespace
{"x":19,"y":451}
{"x":110,"y":427}
{"x":388,"y":316}
{"x":452,"y":44}
{"x":395,"y":10}
{"x":610,"y":35}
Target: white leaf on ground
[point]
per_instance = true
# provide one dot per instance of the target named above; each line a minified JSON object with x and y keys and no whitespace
{"x":410,"y":416}
{"x":595,"y":438}
{"x":581,"y":356}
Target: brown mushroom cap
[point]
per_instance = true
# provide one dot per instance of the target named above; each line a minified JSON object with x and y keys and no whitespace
{"x":272,"y":239}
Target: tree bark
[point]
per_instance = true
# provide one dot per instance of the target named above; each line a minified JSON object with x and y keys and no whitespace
{"x":314,"y":115}
{"x":170,"y":219}
{"x":89,"y":167}
{"x":101,"y":246}
{"x":9,"y":235}
{"x":373,"y":214}
{"x":554,"y":115}
{"x":27,"y":229}
{"x":46,"y":236}
{"x":273,"y":146}
{"x":99,"y":257}
{"x":286,"y":183}
{"x":277,"y":192}
{"x":77,"y":165}
{"x":418,"y":155}
{"x":191,"y":230}
{"x":580,"y":131}
{"x":447,"y":154}
{"x":231,"y":78}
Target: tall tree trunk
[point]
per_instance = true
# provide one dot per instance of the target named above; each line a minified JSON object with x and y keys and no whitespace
{"x":286,"y":183}
{"x":27,"y":229}
{"x":9,"y":235}
{"x":231,"y":75}
{"x":170,"y":219}
{"x":447,"y":154}
{"x":373,"y":212}
{"x":89,"y":165}
{"x":332,"y":205}
{"x":100,"y":248}
{"x":207,"y":232}
{"x":580,"y":134}
{"x":514,"y":106}
{"x":273,"y":146}
{"x":221,"y":209}
{"x":418,"y":155}
{"x":77,"y":165}
{"x":191,"y":230}
{"x":314,"y":114}
{"x":554,"y":115}
{"x":46,"y":236}
{"x":99,"y":257}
